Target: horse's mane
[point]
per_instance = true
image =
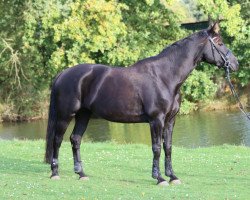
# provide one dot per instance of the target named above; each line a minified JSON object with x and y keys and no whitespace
{"x":169,"y":50}
{"x":181,"y":43}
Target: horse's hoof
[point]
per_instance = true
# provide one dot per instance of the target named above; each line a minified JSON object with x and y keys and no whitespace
{"x":163,"y":183}
{"x":175,"y":182}
{"x":84,"y":178}
{"x":56,"y":177}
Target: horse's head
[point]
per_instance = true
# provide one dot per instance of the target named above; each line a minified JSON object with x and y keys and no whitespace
{"x":216,"y":52}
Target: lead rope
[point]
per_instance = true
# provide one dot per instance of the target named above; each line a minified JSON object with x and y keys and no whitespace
{"x":234,"y":92}
{"x":227,"y":69}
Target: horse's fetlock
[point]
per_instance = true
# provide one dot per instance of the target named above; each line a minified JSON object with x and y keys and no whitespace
{"x":78,"y":167}
{"x":54,"y":163}
{"x":155,"y":175}
{"x":155,"y":172}
{"x":168,"y":173}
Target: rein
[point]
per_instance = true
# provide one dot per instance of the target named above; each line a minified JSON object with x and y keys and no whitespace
{"x":236,"y":96}
{"x":226,"y":66}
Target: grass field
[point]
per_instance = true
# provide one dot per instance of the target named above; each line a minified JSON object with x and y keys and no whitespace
{"x":123,"y":172}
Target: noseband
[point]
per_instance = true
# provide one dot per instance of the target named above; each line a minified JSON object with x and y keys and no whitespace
{"x":225,"y":57}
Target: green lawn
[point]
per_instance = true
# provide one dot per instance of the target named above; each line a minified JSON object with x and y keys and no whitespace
{"x":123,"y":172}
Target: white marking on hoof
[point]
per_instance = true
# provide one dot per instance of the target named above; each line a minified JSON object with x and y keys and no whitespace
{"x":175,"y":182}
{"x":163,"y":183}
{"x":55,"y":177}
{"x":84,"y":178}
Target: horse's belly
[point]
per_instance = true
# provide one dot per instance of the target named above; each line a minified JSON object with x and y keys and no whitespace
{"x":118,"y":105}
{"x":118,"y":110}
{"x":124,"y":119}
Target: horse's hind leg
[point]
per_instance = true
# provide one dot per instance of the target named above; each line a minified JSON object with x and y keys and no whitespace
{"x":81,"y":122}
{"x":61,"y":127}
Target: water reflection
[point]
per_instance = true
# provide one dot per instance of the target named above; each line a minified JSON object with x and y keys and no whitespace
{"x":215,"y":128}
{"x":196,"y":130}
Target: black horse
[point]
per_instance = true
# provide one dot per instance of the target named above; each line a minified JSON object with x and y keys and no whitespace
{"x":148,"y":91}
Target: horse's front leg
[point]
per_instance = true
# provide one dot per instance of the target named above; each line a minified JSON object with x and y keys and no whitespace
{"x":167,"y":146}
{"x":156,"y":128}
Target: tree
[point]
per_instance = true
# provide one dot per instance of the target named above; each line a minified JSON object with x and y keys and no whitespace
{"x":53,"y":35}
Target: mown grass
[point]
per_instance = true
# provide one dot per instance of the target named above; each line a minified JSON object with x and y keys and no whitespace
{"x":123,"y":172}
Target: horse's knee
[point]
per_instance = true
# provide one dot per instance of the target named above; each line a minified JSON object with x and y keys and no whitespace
{"x":156,"y":150}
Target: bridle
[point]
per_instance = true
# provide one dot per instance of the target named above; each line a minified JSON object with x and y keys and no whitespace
{"x":226,"y":66}
{"x":225,"y":57}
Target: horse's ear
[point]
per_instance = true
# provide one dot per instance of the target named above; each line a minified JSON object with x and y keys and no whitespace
{"x":215,"y":28}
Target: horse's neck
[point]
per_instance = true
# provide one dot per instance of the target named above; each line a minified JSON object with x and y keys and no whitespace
{"x":177,"y":66}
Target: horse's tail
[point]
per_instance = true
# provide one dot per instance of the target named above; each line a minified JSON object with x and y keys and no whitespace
{"x":51,"y":127}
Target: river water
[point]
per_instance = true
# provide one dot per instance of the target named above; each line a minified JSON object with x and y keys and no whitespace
{"x":200,"y":129}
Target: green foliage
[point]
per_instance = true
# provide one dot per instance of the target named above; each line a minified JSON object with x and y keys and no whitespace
{"x":11,"y":68}
{"x":106,"y":32}
{"x":218,"y":9}
{"x":198,"y":87}
{"x":193,"y":12}
{"x":78,"y":36}
{"x":150,"y":28}
{"x":187,"y":107}
{"x":242,"y":51}
{"x":241,"y":44}
{"x":245,"y":8}
{"x":52,"y":35}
